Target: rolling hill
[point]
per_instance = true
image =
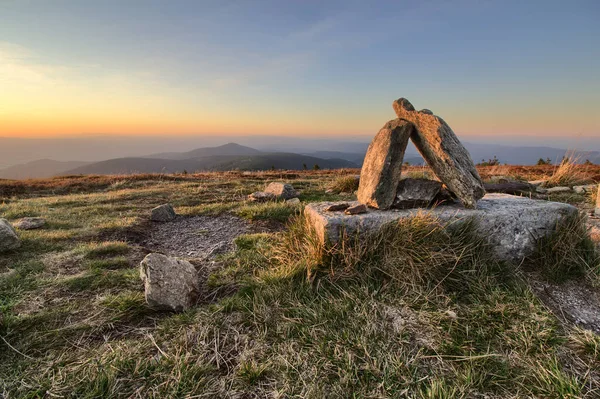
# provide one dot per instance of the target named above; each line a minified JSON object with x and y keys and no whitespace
{"x":262,"y":161}
{"x":39,"y":169}
{"x":230,"y":149}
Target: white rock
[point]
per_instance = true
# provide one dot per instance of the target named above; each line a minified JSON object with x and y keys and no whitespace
{"x":281,"y":190}
{"x":8,"y":236}
{"x":511,"y":224}
{"x":555,"y":190}
{"x":30,"y":223}
{"x":293,"y":201}
{"x":588,"y":188}
{"x":170,"y":283}
{"x":163,"y":213}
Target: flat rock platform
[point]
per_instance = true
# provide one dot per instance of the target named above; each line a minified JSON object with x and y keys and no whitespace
{"x":511,"y":224}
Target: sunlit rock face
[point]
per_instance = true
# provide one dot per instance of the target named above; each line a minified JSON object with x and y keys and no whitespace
{"x":443,"y":152}
{"x":382,"y":166}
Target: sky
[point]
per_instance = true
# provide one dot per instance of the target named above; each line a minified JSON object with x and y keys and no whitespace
{"x":297,"y":68}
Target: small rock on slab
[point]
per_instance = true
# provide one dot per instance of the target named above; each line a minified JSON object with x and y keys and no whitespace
{"x":588,"y":188}
{"x":415,"y":193}
{"x":8,"y":236}
{"x":511,"y":224}
{"x":170,"y":283}
{"x":356,"y":209}
{"x":555,"y":190}
{"x":281,"y":190}
{"x":337,"y":207}
{"x":163,"y":213}
{"x":444,"y":153}
{"x":30,"y":223}
{"x":382,"y":166}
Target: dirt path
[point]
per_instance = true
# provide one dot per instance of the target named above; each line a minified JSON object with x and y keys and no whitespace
{"x":198,"y":236}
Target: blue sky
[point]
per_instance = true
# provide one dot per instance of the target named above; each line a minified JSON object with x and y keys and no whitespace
{"x":297,"y":67}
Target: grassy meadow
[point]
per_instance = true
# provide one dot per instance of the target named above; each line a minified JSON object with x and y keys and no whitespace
{"x":417,"y":312}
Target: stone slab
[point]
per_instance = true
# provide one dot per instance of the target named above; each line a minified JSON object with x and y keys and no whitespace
{"x":443,"y":152}
{"x":512,"y":224}
{"x":382,"y":166}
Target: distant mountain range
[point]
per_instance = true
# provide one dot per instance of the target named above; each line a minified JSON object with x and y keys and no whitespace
{"x":227,"y":150}
{"x":234,"y":156}
{"x":39,"y":169}
{"x":226,"y":157}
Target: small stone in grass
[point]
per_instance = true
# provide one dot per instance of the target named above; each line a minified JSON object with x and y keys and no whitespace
{"x":163,"y":213}
{"x":30,"y":223}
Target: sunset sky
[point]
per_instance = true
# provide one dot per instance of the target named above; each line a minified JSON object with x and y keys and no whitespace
{"x":284,"y":67}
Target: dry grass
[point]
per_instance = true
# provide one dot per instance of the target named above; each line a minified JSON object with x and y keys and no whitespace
{"x":569,"y":173}
{"x":568,"y":252}
{"x":345,"y":184}
{"x":421,"y":311}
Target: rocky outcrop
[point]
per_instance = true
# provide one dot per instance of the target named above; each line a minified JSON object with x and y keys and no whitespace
{"x":274,"y":191}
{"x":261,"y":196}
{"x":444,"y":153}
{"x":414,"y":193}
{"x":281,"y":190}
{"x":585,"y":189}
{"x":512,"y":225}
{"x":163,"y":213}
{"x":170,"y":283}
{"x":8,"y":236}
{"x":30,"y":223}
{"x":382,"y":166}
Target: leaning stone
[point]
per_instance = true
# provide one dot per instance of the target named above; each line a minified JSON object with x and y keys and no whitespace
{"x":444,"y":153}
{"x":293,"y":201}
{"x":8,"y":236}
{"x":30,"y":223}
{"x":261,"y":196}
{"x":337,"y":207}
{"x":281,"y":190}
{"x":163,"y":213}
{"x":512,"y":225}
{"x":382,"y":166}
{"x":415,"y":193}
{"x":588,"y":188}
{"x":170,"y":283}
{"x":356,"y":209}
{"x":555,"y":190}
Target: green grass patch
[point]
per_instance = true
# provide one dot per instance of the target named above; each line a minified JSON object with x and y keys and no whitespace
{"x":102,"y":279}
{"x":277,"y":211}
{"x":105,"y":249}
